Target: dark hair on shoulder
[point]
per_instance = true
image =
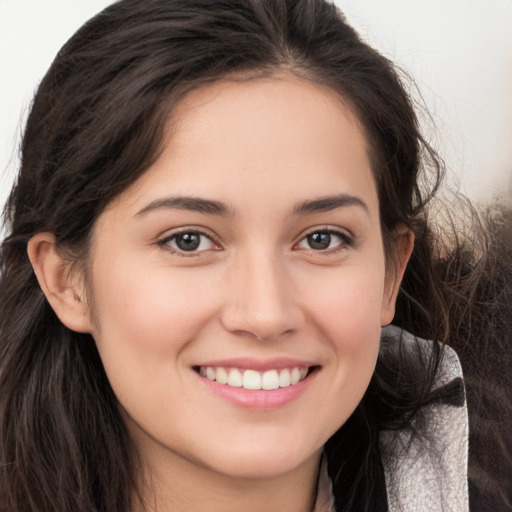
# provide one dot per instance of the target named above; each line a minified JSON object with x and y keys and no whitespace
{"x":479,"y":273}
{"x":95,"y":126}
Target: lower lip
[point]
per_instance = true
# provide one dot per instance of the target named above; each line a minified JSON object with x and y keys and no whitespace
{"x":259,"y":398}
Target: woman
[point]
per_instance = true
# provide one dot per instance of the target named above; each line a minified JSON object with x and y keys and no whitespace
{"x":216,"y":206}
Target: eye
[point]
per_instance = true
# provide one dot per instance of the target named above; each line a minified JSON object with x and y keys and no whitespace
{"x":323,"y":240}
{"x":188,"y":242}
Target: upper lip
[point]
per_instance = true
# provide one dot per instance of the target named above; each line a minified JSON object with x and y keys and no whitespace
{"x":258,"y":364}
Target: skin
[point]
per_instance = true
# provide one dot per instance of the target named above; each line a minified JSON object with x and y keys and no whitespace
{"x":255,"y":288}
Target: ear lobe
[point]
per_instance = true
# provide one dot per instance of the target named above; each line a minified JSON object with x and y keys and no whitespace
{"x":402,"y":250}
{"x":60,"y":286}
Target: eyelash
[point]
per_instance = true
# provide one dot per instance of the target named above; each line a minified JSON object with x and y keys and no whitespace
{"x":165,"y":242}
{"x":346,"y":240}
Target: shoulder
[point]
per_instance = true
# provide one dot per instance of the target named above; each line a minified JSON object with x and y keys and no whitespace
{"x":426,"y":467}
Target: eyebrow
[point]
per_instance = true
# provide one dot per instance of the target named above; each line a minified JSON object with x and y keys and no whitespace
{"x":212,"y":207}
{"x":196,"y":204}
{"x":325,"y":204}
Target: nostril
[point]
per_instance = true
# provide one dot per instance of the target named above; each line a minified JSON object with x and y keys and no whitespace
{"x":260,"y":301}
{"x":260,"y":326}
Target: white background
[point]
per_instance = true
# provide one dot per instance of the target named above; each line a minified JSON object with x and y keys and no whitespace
{"x":458,"y":51}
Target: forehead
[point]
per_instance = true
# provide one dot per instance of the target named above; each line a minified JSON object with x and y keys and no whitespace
{"x":279,"y":138}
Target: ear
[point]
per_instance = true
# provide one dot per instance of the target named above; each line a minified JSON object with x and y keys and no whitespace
{"x":60,"y":285}
{"x":403,"y":244}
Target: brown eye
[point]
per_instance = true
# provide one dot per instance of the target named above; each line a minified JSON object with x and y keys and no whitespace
{"x":319,"y":241}
{"x":190,"y":241}
{"x":324,"y":240}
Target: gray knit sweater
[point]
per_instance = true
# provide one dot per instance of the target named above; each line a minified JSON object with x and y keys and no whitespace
{"x":427,"y":472}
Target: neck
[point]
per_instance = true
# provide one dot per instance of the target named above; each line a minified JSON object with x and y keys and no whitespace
{"x":178,"y":485}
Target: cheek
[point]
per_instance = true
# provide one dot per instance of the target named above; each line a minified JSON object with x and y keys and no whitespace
{"x":145,"y":318}
{"x":347,"y":315}
{"x":356,"y":325}
{"x":153,"y":304}
{"x":350,"y":303}
{"x":353,"y":325}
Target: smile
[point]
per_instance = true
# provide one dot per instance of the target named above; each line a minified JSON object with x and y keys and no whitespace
{"x":252,"y":379}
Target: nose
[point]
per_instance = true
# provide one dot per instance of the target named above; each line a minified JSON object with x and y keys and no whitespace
{"x":260,"y":300}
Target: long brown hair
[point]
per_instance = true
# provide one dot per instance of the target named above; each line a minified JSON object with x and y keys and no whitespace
{"x":95,"y":126}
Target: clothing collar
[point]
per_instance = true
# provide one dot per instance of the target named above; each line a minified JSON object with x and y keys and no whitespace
{"x":324,"y":497}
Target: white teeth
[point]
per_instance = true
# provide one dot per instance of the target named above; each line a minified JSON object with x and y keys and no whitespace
{"x":221,"y":376}
{"x":294,"y":376}
{"x":284,"y":378}
{"x":270,"y":380}
{"x":235,"y":378}
{"x":252,"y":379}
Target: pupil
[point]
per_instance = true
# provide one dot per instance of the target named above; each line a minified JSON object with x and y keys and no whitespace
{"x":188,"y":241}
{"x":319,"y":240}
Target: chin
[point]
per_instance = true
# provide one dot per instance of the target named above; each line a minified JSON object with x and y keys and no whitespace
{"x":261,"y":461}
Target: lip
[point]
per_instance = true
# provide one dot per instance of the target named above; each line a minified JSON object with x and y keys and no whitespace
{"x":259,"y":365}
{"x":259,"y":399}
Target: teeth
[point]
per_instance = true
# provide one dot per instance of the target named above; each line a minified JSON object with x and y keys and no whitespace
{"x":270,"y":380}
{"x":251,"y":379}
{"x":235,"y":378}
{"x":221,"y":376}
{"x":284,"y":379}
{"x":294,"y":376}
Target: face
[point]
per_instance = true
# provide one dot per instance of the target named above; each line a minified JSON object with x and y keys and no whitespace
{"x":240,"y":284}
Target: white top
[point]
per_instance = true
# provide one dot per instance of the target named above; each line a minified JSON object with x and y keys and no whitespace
{"x":427,"y":472}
